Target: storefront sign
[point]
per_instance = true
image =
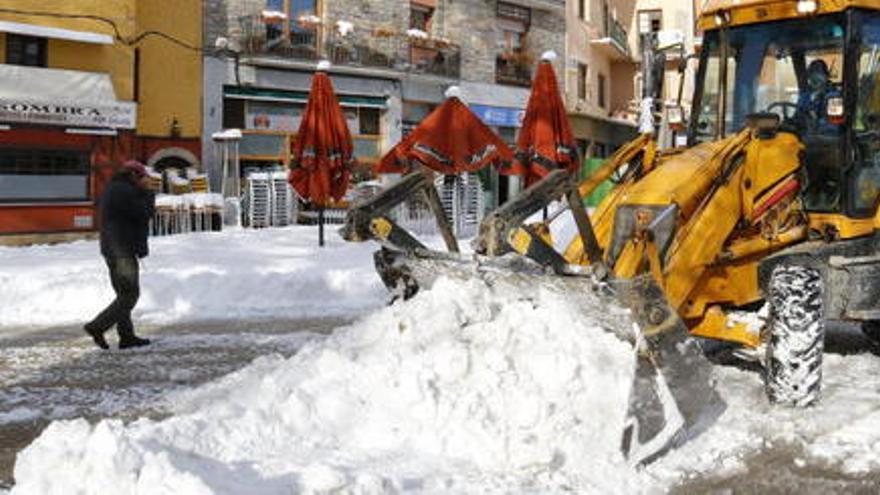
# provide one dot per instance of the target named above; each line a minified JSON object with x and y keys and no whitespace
{"x":499,"y":116}
{"x":115,"y":115}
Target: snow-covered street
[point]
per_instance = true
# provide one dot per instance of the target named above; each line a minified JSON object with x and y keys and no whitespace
{"x":461,"y":390}
{"x":57,"y":373}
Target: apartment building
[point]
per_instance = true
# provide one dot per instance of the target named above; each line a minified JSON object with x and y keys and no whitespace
{"x":85,"y":85}
{"x":600,"y":68}
{"x":674,"y":21}
{"x":392,"y":62}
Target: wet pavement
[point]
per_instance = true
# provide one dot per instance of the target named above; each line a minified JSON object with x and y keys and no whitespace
{"x":58,"y":373}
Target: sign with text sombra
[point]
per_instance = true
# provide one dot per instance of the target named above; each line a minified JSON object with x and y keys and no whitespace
{"x":115,"y":115}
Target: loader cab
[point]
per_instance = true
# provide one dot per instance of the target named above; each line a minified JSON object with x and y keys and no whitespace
{"x":821,"y":75}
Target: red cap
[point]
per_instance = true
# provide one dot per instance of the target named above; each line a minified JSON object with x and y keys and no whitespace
{"x":137,"y":167}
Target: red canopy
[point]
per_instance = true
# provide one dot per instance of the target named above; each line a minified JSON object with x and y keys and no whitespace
{"x":545,"y":141}
{"x":322,"y":153}
{"x":451,"y":140}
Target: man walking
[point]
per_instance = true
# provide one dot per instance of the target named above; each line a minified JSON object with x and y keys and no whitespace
{"x":126,"y":208}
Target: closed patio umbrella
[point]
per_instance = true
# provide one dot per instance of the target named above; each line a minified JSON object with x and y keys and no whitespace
{"x":323,"y":152}
{"x":545,"y":141}
{"x":451,"y":140}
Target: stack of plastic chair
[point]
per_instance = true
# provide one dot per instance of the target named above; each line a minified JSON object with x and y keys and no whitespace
{"x":283,"y":202}
{"x":470,"y":205}
{"x":177,"y":184}
{"x":167,"y":216}
{"x":198,"y":182}
{"x":258,"y":197}
{"x":204,"y":208}
{"x":462,"y":199}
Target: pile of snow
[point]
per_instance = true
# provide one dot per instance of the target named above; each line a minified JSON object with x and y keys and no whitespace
{"x":460,"y":390}
{"x":234,"y":274}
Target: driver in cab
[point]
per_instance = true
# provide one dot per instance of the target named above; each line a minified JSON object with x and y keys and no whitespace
{"x":813,"y":103}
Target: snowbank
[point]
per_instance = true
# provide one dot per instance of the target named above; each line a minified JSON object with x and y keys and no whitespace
{"x":460,"y":390}
{"x":275,"y":273}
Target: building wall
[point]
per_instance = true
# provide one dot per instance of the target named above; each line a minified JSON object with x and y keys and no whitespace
{"x":580,"y":35}
{"x":170,"y":74}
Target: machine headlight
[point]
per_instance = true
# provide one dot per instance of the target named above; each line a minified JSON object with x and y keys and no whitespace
{"x":807,"y":6}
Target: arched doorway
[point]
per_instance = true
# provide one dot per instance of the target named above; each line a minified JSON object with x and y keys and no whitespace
{"x":172,"y":163}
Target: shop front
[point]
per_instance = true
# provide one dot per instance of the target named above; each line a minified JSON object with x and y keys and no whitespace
{"x":60,"y":132}
{"x":502,"y":108}
{"x":270,"y":118}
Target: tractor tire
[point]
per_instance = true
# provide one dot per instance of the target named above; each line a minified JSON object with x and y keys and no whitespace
{"x":871,"y":329}
{"x":793,"y":370}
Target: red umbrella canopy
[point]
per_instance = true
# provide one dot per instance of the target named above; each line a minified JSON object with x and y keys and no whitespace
{"x":545,"y":141}
{"x":322,"y":153}
{"x":450,"y":140}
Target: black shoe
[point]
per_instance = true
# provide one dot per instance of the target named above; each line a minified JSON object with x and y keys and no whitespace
{"x":97,"y":336}
{"x":133,"y":341}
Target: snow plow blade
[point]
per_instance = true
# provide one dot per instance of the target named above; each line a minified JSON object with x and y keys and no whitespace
{"x":672,"y":398}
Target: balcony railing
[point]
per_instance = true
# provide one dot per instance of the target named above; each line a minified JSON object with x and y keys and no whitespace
{"x":396,"y":52}
{"x":618,"y":36}
{"x":513,"y":68}
{"x":613,"y":42}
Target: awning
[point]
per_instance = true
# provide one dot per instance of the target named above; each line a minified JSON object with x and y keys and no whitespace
{"x":257,"y":94}
{"x":62,"y":97}
{"x":55,"y":33}
{"x":18,"y":81}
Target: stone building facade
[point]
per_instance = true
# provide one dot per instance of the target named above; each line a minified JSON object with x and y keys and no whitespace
{"x":392,"y":62}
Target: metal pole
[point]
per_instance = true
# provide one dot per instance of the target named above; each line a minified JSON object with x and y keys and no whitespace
{"x":321,"y":226}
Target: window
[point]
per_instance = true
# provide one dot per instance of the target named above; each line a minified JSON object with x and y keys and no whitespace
{"x":296,"y":28}
{"x":25,"y":50}
{"x":413,"y":114}
{"x":513,"y":27}
{"x":606,"y":18}
{"x":582,"y":9}
{"x":582,"y":81}
{"x":368,"y":118}
{"x":866,"y":173}
{"x":650,"y":22}
{"x":514,"y":61}
{"x":769,"y":69}
{"x":43,"y":175}
{"x":420,"y":17}
{"x":601,"y":90}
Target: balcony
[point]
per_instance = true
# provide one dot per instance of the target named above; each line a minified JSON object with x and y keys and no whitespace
{"x":377,"y":49}
{"x":615,"y":42}
{"x":513,"y":68}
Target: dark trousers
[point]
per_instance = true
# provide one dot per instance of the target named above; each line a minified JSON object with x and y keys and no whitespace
{"x":124,"y":276}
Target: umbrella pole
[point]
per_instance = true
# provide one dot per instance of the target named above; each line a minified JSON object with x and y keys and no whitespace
{"x":321,"y":226}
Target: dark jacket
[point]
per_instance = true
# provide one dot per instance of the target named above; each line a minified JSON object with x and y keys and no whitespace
{"x":126,"y":210}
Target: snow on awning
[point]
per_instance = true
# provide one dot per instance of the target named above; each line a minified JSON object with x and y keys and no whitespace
{"x":55,"y":33}
{"x":69,"y":98}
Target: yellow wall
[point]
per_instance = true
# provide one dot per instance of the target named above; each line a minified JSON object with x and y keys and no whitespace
{"x":114,"y":59}
{"x":170,"y":75}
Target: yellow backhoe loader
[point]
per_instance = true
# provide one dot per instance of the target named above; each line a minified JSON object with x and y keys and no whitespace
{"x":773,"y":201}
